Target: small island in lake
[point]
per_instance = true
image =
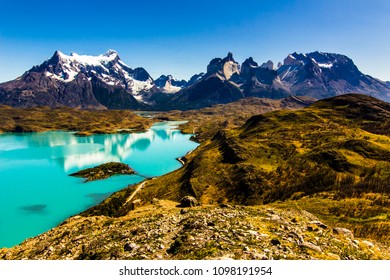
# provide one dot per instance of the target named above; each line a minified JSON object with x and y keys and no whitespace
{"x":104,"y":171}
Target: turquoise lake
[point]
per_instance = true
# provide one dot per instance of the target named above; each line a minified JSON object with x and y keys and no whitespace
{"x":36,"y":192}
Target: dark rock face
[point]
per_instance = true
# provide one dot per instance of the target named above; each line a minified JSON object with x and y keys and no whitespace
{"x":322,"y":75}
{"x":163,"y":79}
{"x":224,"y":68}
{"x":195,"y":78}
{"x":188,"y":201}
{"x":268,"y":65}
{"x":82,"y":82}
{"x":141,"y":74}
{"x":247,"y":68}
{"x":205,"y":93}
{"x":160,"y":81}
{"x":113,"y":97}
{"x":36,"y":89}
{"x":261,"y":81}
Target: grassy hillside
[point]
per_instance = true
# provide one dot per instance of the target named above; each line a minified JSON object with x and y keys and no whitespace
{"x":207,"y":121}
{"x":69,"y":119}
{"x":332,"y":158}
{"x":276,"y":186}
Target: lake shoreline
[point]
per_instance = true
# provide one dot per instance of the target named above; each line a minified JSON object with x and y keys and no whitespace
{"x":166,"y":130}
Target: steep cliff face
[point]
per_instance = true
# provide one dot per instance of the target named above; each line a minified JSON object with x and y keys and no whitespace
{"x":261,"y":81}
{"x":224,"y":68}
{"x":168,"y":84}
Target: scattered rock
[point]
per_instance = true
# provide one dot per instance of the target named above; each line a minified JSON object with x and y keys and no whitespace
{"x":78,"y":238}
{"x":368,"y":243}
{"x":275,"y":242}
{"x":275,"y":217}
{"x":135,"y":203}
{"x":343,"y":231}
{"x":257,"y":256}
{"x":334,"y":256}
{"x":318,"y":223}
{"x":206,"y":232}
{"x":311,"y":246}
{"x":296,"y":235}
{"x":223,"y":205}
{"x":226,"y":258}
{"x":129,"y":247}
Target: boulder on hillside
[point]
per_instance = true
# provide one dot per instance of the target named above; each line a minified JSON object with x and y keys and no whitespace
{"x":343,"y":231}
{"x":188,"y":201}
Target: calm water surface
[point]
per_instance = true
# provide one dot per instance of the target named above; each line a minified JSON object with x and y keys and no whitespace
{"x":36,"y":192}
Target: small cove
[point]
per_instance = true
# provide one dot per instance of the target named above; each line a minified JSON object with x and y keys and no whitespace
{"x":36,"y":192}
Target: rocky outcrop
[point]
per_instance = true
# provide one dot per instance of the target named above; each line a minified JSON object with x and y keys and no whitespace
{"x":260,"y":81}
{"x":162,"y":231}
{"x":268,"y":65}
{"x":225,"y":68}
{"x":168,"y":84}
{"x":207,"y":92}
{"x":188,"y":201}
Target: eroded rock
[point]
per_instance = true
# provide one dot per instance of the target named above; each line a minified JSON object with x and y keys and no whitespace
{"x":189,"y":201}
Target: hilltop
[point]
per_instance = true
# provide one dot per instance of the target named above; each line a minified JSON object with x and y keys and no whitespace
{"x":163,"y":231}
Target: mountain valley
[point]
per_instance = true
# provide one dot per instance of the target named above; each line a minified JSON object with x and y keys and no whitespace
{"x":309,"y":181}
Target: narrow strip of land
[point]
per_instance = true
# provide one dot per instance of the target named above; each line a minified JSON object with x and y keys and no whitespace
{"x":140,"y":186}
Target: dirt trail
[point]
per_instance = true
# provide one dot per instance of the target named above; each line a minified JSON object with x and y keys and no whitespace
{"x":140,"y":186}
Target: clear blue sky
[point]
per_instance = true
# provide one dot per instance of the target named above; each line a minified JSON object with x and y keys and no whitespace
{"x":181,"y":37}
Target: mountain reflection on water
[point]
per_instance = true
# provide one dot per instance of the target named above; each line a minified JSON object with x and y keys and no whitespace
{"x":75,"y":153}
{"x":36,"y":192}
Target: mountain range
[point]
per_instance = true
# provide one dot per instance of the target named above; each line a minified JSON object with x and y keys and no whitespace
{"x":105,"y":81}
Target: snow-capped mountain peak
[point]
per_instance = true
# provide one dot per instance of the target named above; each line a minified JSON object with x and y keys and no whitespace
{"x":168,"y":84}
{"x":88,"y":60}
{"x":107,"y":68}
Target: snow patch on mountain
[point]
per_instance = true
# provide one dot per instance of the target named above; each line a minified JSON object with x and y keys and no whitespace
{"x":325,"y":65}
{"x":85,"y":60}
{"x":168,"y":84}
{"x":107,"y":67}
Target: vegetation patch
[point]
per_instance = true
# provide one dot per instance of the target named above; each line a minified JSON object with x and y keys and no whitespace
{"x":85,"y":122}
{"x":104,"y":171}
